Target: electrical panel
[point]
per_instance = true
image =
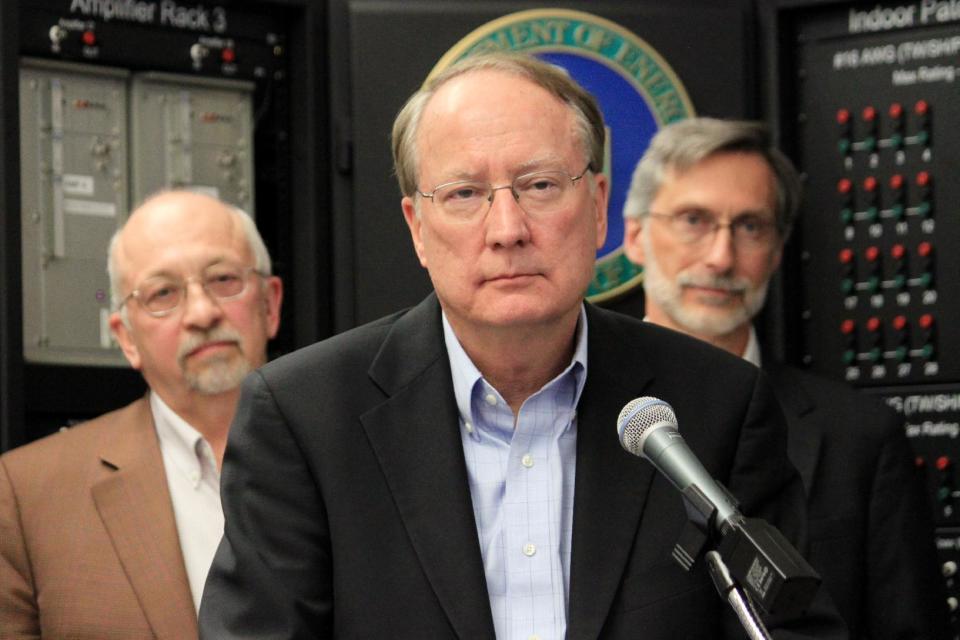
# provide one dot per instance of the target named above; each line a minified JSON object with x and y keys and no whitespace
{"x":879,"y":236}
{"x":192,"y":133}
{"x":73,"y":139}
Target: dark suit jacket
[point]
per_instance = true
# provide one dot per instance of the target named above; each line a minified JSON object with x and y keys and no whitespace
{"x":870,"y":528}
{"x":88,"y":542}
{"x":348,"y":512}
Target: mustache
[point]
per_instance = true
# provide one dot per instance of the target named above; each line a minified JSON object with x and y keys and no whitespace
{"x":723,"y":283}
{"x":196,"y":340}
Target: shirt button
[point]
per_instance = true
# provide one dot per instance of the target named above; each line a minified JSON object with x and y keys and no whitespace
{"x":468,"y":426}
{"x":534,"y":637}
{"x":527,"y":460}
{"x":491,"y":399}
{"x":529,"y":549}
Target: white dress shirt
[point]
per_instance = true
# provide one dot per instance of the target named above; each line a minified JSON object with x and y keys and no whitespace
{"x":194,"y":482}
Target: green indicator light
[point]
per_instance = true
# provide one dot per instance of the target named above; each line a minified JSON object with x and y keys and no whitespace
{"x":846,"y":285}
{"x":927,"y":351}
{"x":875,"y":354}
{"x":844,"y":146}
{"x":900,"y":354}
{"x":900,"y":280}
{"x":873,"y":213}
{"x":874,"y":283}
{"x":897,"y":211}
{"x":846,"y":215}
{"x":926,"y":279}
{"x":896,"y":140}
{"x":943,"y":494}
{"x":924,"y":209}
{"x":923,"y":137}
{"x":870,"y":143}
{"x":849,"y":356}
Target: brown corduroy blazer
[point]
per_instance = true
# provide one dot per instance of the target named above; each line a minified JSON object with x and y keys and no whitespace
{"x":88,"y":541}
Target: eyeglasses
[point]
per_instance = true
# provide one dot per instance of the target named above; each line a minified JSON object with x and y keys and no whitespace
{"x":162,"y":295}
{"x":537,"y":193}
{"x":748,"y":231}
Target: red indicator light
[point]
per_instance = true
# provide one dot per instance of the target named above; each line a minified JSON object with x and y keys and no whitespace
{"x":896,"y":110}
{"x":923,"y":179}
{"x":228,"y":55}
{"x":869,"y":114}
{"x":844,"y":186}
{"x":924,"y":249}
{"x":871,"y":254}
{"x":873,"y":324}
{"x":89,"y":38}
{"x":900,"y":323}
{"x":943,"y":463}
{"x":926,"y":321}
{"x":846,"y":256}
{"x":896,"y":181}
{"x":843,"y":116}
{"x":919,"y":462}
{"x":870,"y":183}
{"x":897,"y":251}
{"x":847,"y":327}
{"x":921,"y":108}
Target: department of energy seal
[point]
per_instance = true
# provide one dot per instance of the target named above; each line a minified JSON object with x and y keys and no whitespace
{"x":636,"y":88}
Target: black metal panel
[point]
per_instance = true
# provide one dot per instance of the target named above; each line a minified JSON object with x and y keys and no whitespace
{"x":277,"y":44}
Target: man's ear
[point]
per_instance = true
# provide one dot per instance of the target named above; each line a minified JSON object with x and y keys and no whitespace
{"x":123,"y":335}
{"x":273,"y":297}
{"x":633,"y":240}
{"x":413,"y":223}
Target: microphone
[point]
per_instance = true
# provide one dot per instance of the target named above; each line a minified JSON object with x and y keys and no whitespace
{"x":757,"y":554}
{"x":647,"y":427}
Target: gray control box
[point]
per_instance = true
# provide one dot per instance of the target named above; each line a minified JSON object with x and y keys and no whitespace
{"x":74,"y":190}
{"x":194,"y":133}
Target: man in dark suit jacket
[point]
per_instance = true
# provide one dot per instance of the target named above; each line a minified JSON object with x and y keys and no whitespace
{"x":452,"y":471}
{"x":709,"y":209}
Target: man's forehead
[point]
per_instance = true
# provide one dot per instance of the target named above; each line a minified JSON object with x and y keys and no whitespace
{"x":181,"y":227}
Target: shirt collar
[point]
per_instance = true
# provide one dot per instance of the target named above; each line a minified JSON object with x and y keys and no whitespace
{"x":752,"y":351}
{"x":466,"y":375}
{"x":185,"y":445}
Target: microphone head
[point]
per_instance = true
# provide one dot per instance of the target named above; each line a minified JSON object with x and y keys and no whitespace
{"x":637,"y":419}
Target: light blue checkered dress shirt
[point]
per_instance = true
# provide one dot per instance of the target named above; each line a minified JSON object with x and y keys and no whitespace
{"x":521,"y":482}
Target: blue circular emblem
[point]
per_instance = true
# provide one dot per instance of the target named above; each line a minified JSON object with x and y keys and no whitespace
{"x":637,"y":90}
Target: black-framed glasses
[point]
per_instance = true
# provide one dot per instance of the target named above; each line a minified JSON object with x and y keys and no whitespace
{"x":749,"y":231}
{"x":162,"y":295}
{"x":537,"y":193}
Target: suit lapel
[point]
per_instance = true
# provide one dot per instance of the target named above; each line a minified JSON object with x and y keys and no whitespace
{"x":134,"y":504}
{"x":416,"y":439}
{"x":604,"y":530}
{"x":803,"y":443}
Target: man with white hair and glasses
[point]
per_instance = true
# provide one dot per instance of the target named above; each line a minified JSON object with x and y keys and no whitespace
{"x":107,"y":530}
{"x":709,"y":209}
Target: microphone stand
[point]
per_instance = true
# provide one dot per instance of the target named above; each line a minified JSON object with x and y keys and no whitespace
{"x":728,"y":588}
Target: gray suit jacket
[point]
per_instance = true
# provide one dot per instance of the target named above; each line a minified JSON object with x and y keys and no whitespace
{"x":348,"y":512}
{"x":870,"y":528}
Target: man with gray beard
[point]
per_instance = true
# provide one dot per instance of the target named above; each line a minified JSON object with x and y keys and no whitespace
{"x":108,"y":529}
{"x":709,"y":209}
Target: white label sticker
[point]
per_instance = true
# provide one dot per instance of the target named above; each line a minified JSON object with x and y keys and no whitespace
{"x":77,"y":185}
{"x":90,"y":208}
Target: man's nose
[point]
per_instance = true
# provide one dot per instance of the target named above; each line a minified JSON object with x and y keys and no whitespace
{"x":506,"y":223}
{"x":721,"y":251}
{"x":200,"y":309}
